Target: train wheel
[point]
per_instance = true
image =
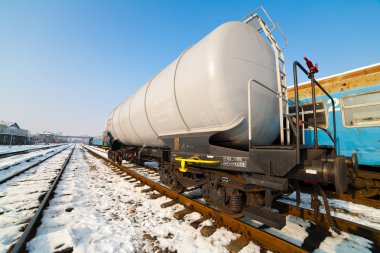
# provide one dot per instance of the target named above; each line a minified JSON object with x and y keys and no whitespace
{"x":167,"y":178}
{"x":177,"y":187}
{"x":119,"y":158}
{"x":111,"y":155}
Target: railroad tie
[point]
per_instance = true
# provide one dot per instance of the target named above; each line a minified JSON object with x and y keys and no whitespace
{"x":139,"y":185}
{"x":207,"y":231}
{"x":146,"y":190}
{"x":169,"y":203}
{"x":65,"y":250}
{"x":195,"y":224}
{"x":180,"y":214}
{"x":155,"y":196}
{"x":237,"y":244}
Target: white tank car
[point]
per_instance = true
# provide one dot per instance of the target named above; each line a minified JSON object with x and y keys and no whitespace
{"x":204,"y":92}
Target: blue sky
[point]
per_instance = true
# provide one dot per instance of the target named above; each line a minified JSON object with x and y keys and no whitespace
{"x":64,"y":65}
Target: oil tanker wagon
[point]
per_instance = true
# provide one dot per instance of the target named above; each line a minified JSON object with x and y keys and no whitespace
{"x":217,"y":118}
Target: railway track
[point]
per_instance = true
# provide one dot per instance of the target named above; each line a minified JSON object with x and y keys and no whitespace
{"x":18,"y":172}
{"x":24,"y":198}
{"x":14,"y":153}
{"x":261,"y":235}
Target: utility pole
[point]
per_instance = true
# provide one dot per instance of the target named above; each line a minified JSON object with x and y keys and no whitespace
{"x":10,"y":143}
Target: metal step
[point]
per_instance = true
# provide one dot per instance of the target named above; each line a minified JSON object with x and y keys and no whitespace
{"x":265,"y":216}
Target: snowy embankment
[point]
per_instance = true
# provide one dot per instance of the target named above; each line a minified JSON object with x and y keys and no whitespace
{"x":7,"y":149}
{"x":20,"y":197}
{"x":13,"y":164}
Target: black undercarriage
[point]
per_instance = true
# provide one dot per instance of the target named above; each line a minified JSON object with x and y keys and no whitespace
{"x":236,"y":185}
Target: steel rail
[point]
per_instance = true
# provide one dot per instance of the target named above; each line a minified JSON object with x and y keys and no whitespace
{"x":34,"y":222}
{"x":5,"y":155}
{"x":256,"y":235}
{"x":32,"y":166}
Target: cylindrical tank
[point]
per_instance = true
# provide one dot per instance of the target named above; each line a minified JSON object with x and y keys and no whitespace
{"x":204,"y":91}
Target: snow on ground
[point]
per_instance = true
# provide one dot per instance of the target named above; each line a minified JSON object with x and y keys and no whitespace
{"x":20,"y":197}
{"x":294,"y":231}
{"x":97,"y":210}
{"x":15,"y":148}
{"x":13,"y":164}
{"x":346,"y":210}
{"x":346,"y":243}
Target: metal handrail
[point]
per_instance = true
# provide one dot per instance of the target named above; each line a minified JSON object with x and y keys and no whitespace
{"x":303,"y":120}
{"x":249,"y":17}
{"x":272,"y":25}
{"x":313,"y":81}
{"x":249,"y":106}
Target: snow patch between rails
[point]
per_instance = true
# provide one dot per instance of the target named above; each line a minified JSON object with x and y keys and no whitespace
{"x":55,"y":241}
{"x":346,"y":243}
{"x":294,"y":231}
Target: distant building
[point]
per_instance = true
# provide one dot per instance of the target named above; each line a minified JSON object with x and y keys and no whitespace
{"x":48,"y":137}
{"x":11,"y":133}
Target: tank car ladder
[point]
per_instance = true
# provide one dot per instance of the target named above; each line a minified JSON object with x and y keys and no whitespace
{"x":261,"y":26}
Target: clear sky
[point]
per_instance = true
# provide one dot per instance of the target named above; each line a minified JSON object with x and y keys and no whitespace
{"x":65,"y":64}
